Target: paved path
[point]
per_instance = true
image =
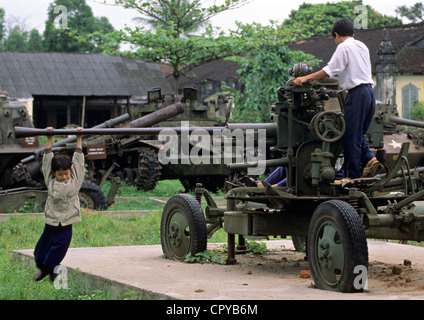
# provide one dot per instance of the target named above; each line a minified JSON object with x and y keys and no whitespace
{"x":270,"y":277}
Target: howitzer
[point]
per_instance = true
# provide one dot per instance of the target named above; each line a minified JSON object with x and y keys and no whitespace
{"x":332,"y":217}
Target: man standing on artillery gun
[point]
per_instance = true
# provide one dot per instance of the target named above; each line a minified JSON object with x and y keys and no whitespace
{"x":351,"y":62}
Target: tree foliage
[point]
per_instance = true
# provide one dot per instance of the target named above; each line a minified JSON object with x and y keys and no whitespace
{"x":264,"y":68}
{"x":170,"y":42}
{"x":79,"y":17}
{"x":415,"y":13}
{"x":182,"y":52}
{"x":14,"y":35}
{"x":185,"y":15}
{"x":260,"y":50}
{"x":320,"y":17}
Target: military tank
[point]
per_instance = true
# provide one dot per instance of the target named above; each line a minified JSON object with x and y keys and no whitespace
{"x":212,"y":174}
{"x":20,"y":166}
{"x":13,"y":194}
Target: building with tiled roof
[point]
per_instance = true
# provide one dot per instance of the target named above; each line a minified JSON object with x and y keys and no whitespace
{"x":60,"y":89}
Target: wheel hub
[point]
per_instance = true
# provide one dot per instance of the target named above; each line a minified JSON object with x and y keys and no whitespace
{"x":175,"y":236}
{"x":330,"y":253}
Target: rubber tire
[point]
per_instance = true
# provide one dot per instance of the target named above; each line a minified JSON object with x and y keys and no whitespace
{"x":95,"y":196}
{"x":349,"y":232}
{"x":194,"y":236}
{"x":299,"y":243}
{"x":128,"y":176}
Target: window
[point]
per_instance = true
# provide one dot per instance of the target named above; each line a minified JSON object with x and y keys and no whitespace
{"x":409,"y":97}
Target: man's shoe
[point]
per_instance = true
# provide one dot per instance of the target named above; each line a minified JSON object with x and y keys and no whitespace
{"x":371,"y":171}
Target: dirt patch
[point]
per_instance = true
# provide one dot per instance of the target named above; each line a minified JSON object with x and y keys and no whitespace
{"x":396,"y":278}
{"x":405,"y":278}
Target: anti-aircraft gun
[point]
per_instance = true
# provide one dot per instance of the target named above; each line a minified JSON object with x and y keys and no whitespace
{"x":334,"y":218}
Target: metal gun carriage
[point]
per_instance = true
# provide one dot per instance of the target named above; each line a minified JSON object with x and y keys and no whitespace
{"x":333,"y":219}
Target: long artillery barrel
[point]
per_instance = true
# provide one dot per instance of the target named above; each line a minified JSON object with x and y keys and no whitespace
{"x":156,"y":117}
{"x":107,"y":124}
{"x":21,"y":132}
{"x":130,"y":129}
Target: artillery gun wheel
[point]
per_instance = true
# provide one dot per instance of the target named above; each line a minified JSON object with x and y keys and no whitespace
{"x":128,"y":177}
{"x":149,"y":169}
{"x":299,"y":243}
{"x":91,"y":196}
{"x":336,"y":245}
{"x":183,"y":227}
{"x":328,"y":126}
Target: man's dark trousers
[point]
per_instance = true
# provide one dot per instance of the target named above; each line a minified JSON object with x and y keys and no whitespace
{"x":359,"y":109}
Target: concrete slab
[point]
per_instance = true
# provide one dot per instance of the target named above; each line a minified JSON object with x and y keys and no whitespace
{"x":273,"y":276}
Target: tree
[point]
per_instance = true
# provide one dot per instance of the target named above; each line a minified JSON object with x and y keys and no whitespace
{"x":417,"y":112}
{"x":170,"y":41}
{"x":321,"y":17}
{"x":414,"y":13}
{"x":2,"y":27}
{"x":35,"y":42}
{"x":79,"y":17}
{"x":182,"y":52}
{"x":261,"y":51}
{"x":265,"y":68}
{"x":16,"y":40}
{"x":185,"y":15}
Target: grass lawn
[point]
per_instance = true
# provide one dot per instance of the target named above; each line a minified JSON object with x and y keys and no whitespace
{"x":95,"y":230}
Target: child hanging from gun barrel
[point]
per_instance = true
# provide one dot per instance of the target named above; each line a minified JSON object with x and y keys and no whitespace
{"x":63,"y":178}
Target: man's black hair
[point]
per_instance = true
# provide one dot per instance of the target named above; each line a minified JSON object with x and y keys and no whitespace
{"x":344,"y":28}
{"x":61,"y":163}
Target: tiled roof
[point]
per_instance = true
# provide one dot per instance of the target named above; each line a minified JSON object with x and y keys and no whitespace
{"x":24,"y":75}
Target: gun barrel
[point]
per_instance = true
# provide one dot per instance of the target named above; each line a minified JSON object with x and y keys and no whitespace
{"x":271,"y":128}
{"x":407,"y":122}
{"x":22,"y":132}
{"x":131,"y":128}
{"x":107,"y":124}
{"x":252,"y":164}
{"x":156,"y":117}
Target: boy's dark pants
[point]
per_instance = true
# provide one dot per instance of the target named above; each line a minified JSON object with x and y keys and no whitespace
{"x":52,"y":246}
{"x":359,"y":111}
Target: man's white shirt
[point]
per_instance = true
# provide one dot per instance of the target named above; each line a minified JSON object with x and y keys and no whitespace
{"x":351,"y":62}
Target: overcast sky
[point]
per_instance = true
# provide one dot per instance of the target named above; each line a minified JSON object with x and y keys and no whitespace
{"x":34,"y":12}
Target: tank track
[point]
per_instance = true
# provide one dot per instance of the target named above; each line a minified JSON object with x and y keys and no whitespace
{"x":149,"y":169}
